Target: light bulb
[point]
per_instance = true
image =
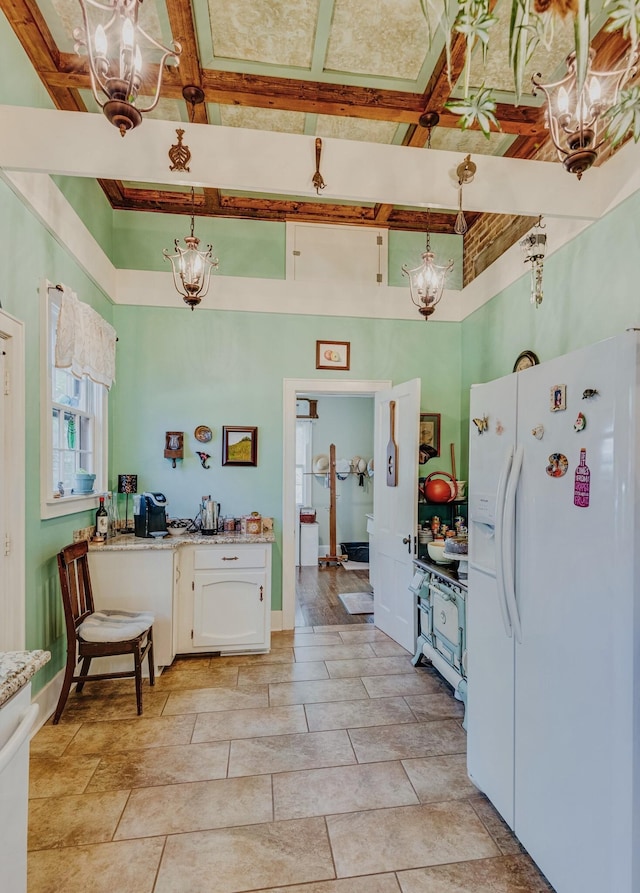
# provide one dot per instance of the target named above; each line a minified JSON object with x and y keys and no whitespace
{"x":138,"y":61}
{"x":127,"y":34}
{"x":563,"y":101}
{"x":595,"y":91}
{"x":100,"y":41}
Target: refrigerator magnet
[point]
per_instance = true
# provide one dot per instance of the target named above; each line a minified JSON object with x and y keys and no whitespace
{"x":558,"y":465}
{"x":580,"y":423}
{"x":588,"y":393}
{"x":538,"y":432}
{"x":558,"y":396}
{"x":499,"y":427}
{"x":482,"y":424}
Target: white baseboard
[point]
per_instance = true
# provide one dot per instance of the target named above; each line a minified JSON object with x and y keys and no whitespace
{"x":47,"y":699}
{"x":276,"y":620}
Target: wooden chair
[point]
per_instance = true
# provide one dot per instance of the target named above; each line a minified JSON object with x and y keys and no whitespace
{"x":92,"y":633}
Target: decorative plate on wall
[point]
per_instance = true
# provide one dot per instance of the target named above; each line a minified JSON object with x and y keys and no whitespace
{"x":203,"y":434}
{"x":525,"y":360}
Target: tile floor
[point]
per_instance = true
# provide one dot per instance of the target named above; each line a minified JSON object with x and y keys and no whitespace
{"x":330,"y":765}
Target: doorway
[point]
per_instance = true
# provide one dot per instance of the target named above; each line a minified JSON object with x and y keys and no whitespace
{"x":12,"y":484}
{"x":310,"y":388}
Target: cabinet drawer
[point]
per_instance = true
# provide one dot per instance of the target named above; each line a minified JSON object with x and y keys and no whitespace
{"x":230,"y":557}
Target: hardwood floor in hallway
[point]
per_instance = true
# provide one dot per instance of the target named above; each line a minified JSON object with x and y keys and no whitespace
{"x":328,"y":765}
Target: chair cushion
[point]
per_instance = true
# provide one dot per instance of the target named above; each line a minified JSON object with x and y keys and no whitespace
{"x":114,"y":626}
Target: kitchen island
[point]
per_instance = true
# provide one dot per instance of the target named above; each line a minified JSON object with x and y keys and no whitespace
{"x":208,"y":594}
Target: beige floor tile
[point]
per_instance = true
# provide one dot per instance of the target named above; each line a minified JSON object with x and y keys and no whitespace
{"x":343,"y":789}
{"x":196,"y":806}
{"x":126,"y":867}
{"x":435,"y":706}
{"x":53,"y":740}
{"x":161,"y":765}
{"x":74,"y":820}
{"x":334,"y":652}
{"x":356,"y":714}
{"x":86,"y":707}
{"x":440,"y":778}
{"x":183,"y":679}
{"x":282,"y":673}
{"x":57,"y":776}
{"x":401,"y":684}
{"x":376,"y":666}
{"x":506,"y":840}
{"x":410,"y":740}
{"x":343,"y":627}
{"x":235,"y":859}
{"x":316,"y":691}
{"x":280,"y":655}
{"x":132,"y":734}
{"x":304,"y":640}
{"x":283,"y":638}
{"x":407,"y":837}
{"x":190,"y":662}
{"x":505,"y":874}
{"x":388,"y":649}
{"x":376,"y":883}
{"x":369,"y":634}
{"x":250,"y":723}
{"x":281,"y":753}
{"x":206,"y":700}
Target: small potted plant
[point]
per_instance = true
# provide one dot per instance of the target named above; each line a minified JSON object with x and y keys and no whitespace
{"x":83,"y":481}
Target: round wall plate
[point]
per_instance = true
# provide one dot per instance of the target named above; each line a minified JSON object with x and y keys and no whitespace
{"x":525,"y":360}
{"x":203,"y":434}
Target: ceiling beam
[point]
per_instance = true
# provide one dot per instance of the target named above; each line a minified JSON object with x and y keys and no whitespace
{"x":239,"y":160}
{"x":183,"y":30}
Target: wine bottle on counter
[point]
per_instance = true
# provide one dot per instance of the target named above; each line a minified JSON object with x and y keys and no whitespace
{"x":102,"y":520}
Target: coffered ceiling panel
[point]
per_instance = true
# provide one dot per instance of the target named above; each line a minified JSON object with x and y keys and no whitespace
{"x":262,"y":119}
{"x":356,"y":129}
{"x":262,"y":31}
{"x":386,"y":38}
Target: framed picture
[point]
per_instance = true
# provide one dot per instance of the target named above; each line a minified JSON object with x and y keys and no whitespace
{"x":429,"y":436}
{"x":239,"y":445}
{"x":333,"y":354}
{"x":558,"y":398}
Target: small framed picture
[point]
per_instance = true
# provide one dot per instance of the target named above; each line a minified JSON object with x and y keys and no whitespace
{"x":429,"y":436}
{"x":239,"y":445}
{"x":558,"y":398}
{"x":333,"y":354}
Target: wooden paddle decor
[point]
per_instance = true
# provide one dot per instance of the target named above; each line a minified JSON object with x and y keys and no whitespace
{"x":392,"y":449}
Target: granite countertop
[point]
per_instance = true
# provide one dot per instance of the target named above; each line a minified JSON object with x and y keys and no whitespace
{"x":17,"y":668}
{"x":126,"y":542}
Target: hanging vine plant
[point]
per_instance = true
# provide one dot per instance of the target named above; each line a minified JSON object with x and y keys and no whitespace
{"x":531,"y":24}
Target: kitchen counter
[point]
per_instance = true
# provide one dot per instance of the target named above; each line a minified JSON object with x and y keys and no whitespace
{"x":129,"y":542}
{"x":17,"y":668}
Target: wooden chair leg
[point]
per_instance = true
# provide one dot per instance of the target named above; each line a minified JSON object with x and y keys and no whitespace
{"x":66,"y":687}
{"x":84,"y":671}
{"x":138,"y":668}
{"x":152,"y":669}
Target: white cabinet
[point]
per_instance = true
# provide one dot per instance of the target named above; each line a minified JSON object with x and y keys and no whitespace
{"x":224,"y":602}
{"x":136,"y":580}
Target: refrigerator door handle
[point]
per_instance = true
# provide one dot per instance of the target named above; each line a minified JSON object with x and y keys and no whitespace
{"x":508,"y":539}
{"x":499,"y":539}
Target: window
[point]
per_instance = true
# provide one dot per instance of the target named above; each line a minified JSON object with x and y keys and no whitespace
{"x":303,"y":462}
{"x":74,"y":427}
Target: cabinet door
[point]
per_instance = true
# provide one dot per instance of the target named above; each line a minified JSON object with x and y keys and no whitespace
{"x":230,"y":609}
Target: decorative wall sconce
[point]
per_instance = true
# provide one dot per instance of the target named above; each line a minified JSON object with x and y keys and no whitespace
{"x":174,"y":446}
{"x":127,"y":483}
{"x":466,"y":172}
{"x":204,"y":458}
{"x":114,"y":41}
{"x":191,"y":268}
{"x":317,"y":180}
{"x":534,"y":246}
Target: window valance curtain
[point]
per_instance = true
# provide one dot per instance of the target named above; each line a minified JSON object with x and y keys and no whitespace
{"x":85,"y":342}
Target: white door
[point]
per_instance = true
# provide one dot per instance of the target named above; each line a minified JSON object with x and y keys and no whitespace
{"x":490,"y":642}
{"x":395,"y":510}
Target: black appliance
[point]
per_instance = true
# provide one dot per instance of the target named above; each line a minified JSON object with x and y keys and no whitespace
{"x":149,"y":514}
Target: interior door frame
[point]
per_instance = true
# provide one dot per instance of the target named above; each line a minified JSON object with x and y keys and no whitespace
{"x":315,"y":387}
{"x":12,"y":611}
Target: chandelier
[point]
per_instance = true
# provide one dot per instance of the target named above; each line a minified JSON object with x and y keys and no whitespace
{"x":191,"y":268}
{"x":113,"y":41}
{"x":575,"y":122}
{"x":426,"y":282}
{"x":534,"y":246}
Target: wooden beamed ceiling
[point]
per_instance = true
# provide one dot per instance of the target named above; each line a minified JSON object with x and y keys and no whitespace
{"x":65,"y":74}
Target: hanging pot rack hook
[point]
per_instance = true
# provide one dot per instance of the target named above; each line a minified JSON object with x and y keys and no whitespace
{"x":317,"y":180}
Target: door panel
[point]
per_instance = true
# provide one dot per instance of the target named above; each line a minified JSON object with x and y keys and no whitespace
{"x":396,"y":513}
{"x":229,"y":609}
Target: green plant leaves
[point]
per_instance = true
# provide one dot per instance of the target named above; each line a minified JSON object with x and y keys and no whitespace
{"x":624,"y":116}
{"x":479,"y":108}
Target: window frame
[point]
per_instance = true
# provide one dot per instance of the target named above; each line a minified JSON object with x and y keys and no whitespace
{"x":58,"y":506}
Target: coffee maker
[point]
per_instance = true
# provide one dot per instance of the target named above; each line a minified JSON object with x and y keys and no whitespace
{"x":149,"y":514}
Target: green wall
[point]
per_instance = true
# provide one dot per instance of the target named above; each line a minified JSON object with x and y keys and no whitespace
{"x":178,"y":370}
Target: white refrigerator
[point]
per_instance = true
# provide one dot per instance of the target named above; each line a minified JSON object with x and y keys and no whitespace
{"x":553,"y":624}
